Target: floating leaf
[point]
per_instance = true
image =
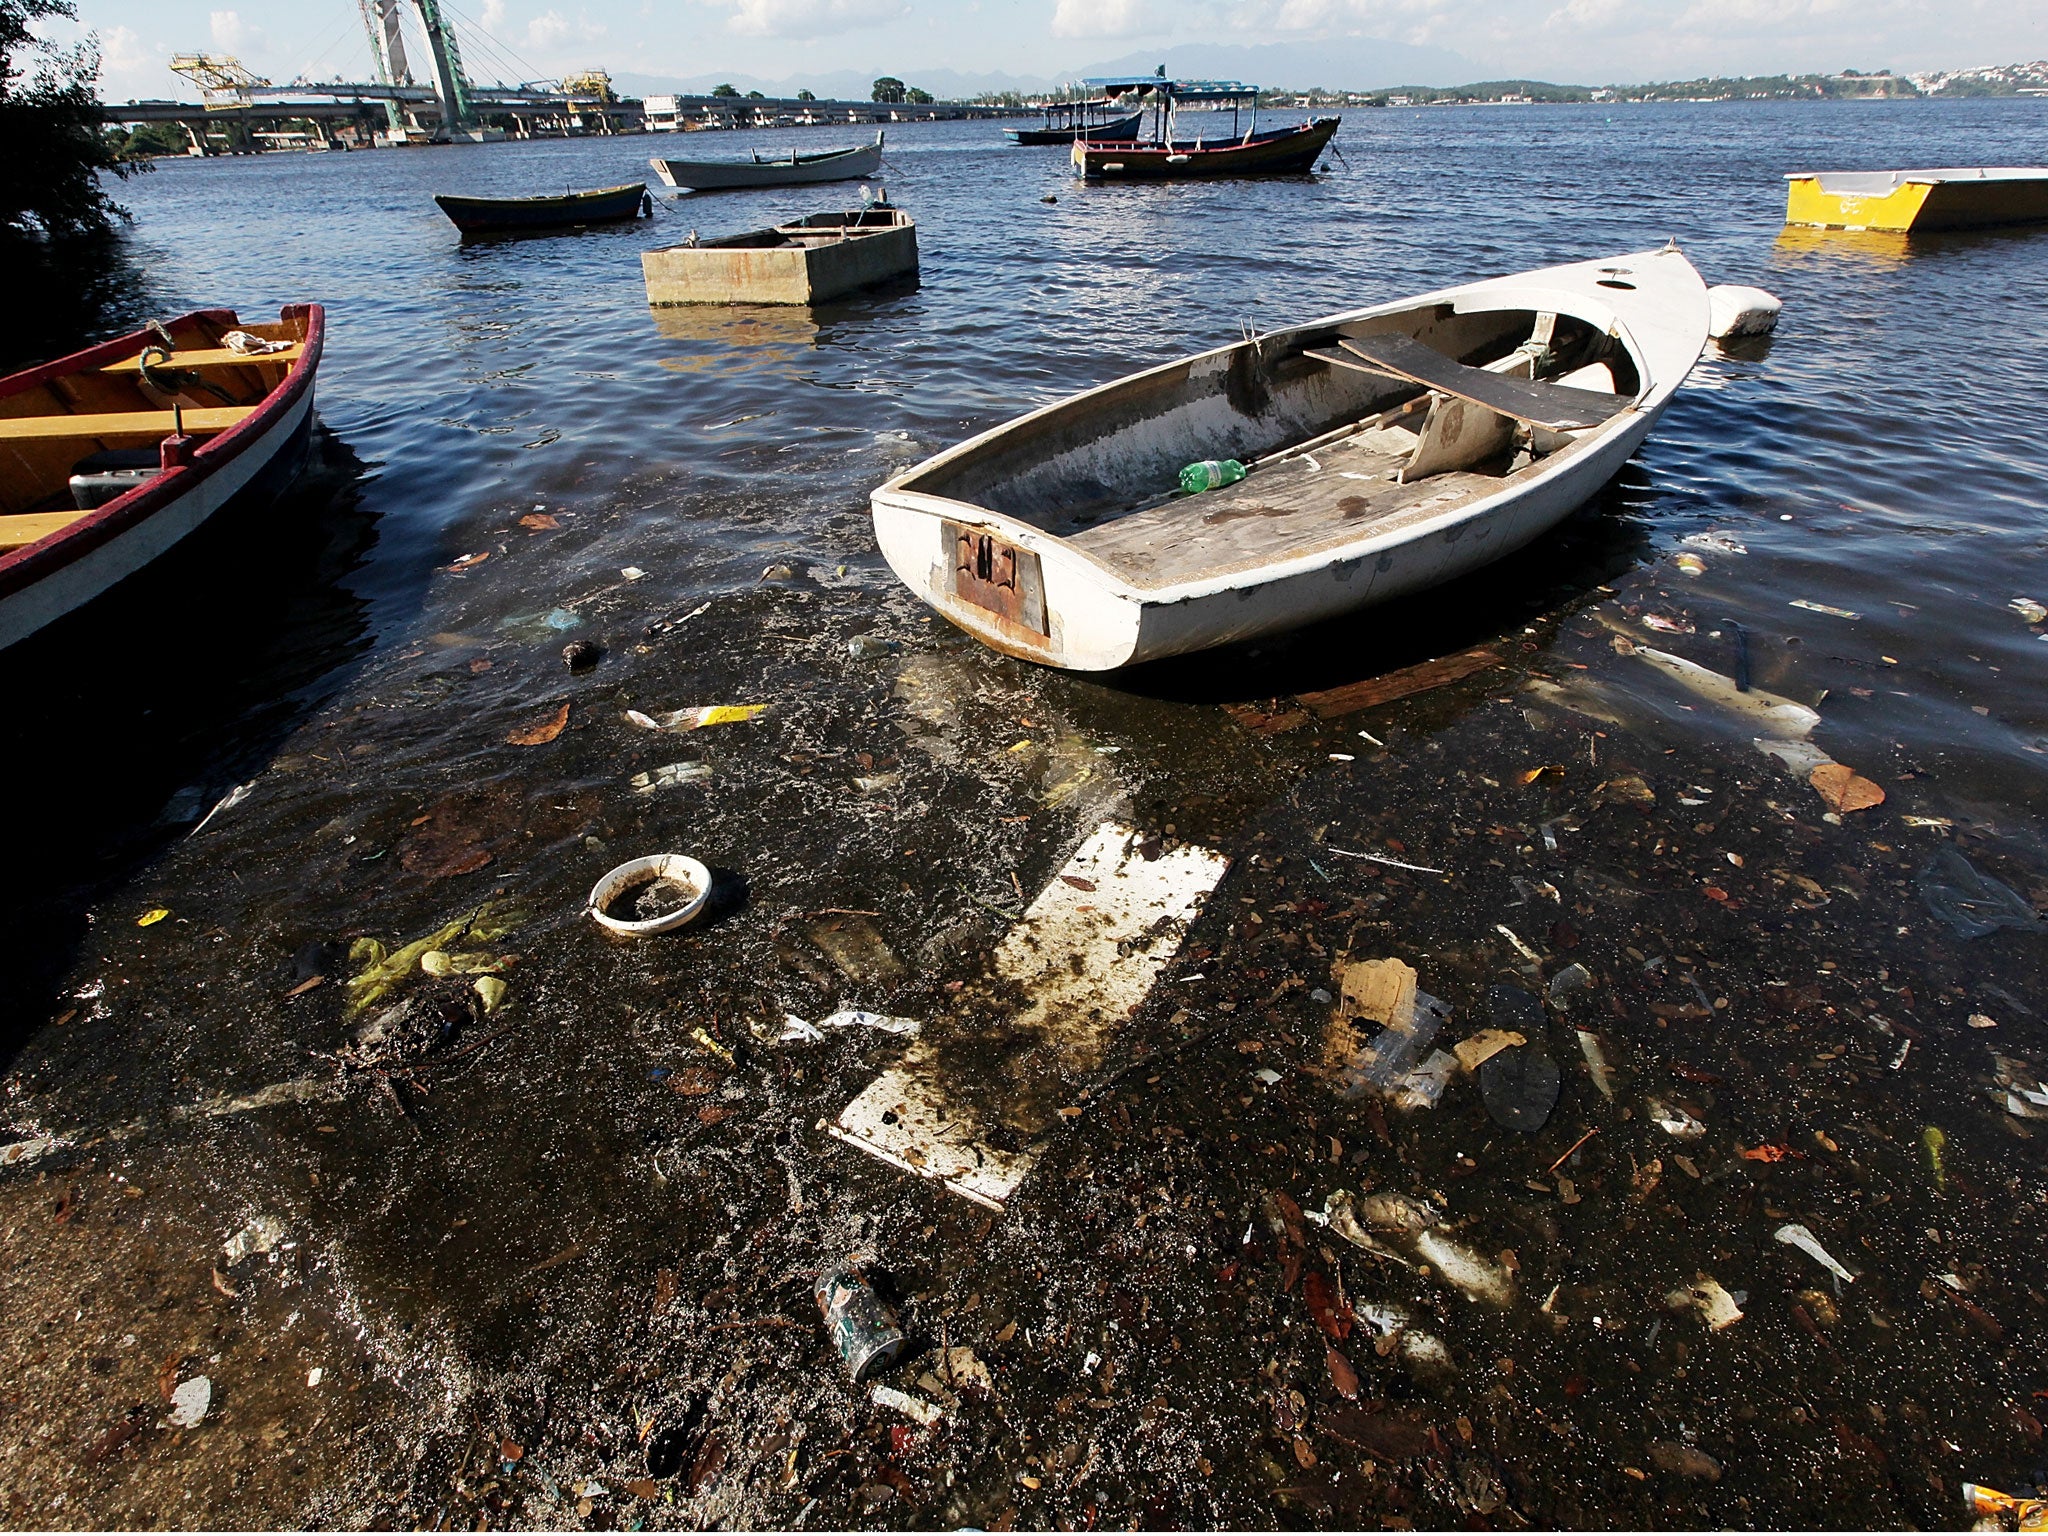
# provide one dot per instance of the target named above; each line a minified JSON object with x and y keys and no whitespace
{"x":1342,"y":1377}
{"x":538,"y":521}
{"x":1321,"y":1299}
{"x":464,"y":562}
{"x":543,"y":733}
{"x":1844,"y":788}
{"x":154,"y":915}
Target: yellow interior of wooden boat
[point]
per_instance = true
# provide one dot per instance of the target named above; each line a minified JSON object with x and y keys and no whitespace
{"x":47,"y":431}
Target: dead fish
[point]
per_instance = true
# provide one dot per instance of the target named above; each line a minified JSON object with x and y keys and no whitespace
{"x":1425,"y":1356}
{"x":1479,"y":1278}
{"x":1391,"y":1212}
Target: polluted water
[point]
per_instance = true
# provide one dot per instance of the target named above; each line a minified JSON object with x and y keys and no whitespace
{"x":1213,"y":1230}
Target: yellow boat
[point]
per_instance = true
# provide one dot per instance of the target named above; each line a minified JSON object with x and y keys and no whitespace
{"x":1973,"y":197}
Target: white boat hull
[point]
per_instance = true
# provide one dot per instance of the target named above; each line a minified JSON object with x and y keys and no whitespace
{"x":1097,"y":617}
{"x":728,"y":175}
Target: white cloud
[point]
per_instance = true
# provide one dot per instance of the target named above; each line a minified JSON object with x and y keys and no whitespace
{"x":801,"y":20}
{"x":231,"y":34}
{"x":1593,"y":15}
{"x":1103,"y":18}
{"x":494,"y":13}
{"x":129,"y":70}
{"x":551,"y":29}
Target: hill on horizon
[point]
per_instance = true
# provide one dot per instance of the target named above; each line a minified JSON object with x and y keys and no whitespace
{"x":1337,"y":64}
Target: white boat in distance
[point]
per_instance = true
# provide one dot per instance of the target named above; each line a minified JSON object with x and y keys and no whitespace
{"x":1389,"y":449}
{"x":790,"y":170}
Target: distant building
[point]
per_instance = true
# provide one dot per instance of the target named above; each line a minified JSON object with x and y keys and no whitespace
{"x":661,"y":113}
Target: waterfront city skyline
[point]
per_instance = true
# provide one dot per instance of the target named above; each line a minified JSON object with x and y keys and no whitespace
{"x":1579,"y":41}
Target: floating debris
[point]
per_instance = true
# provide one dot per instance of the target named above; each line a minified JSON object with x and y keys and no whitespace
{"x":669,"y":776}
{"x":696,"y":719}
{"x":1716,"y":1306}
{"x":1086,"y":954}
{"x":1796,"y":1235}
{"x":1827,"y":608}
{"x":261,"y":1235}
{"x":189,"y":1403}
{"x":1674,"y":1121}
{"x":1720,"y":543}
{"x":1844,"y":789}
{"x":1971,"y":902}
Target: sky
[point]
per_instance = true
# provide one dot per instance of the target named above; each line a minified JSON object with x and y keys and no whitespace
{"x":1577,"y":41}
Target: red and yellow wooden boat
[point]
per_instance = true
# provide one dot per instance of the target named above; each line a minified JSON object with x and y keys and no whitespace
{"x":111,"y":456}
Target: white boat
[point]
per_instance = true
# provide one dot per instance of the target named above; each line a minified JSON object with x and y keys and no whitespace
{"x":1388,"y":449}
{"x":789,"y":170}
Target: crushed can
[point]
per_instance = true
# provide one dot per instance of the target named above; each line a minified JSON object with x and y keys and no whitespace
{"x":862,"y":1327}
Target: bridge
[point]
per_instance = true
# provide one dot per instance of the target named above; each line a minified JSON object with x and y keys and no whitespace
{"x":345,"y":115}
{"x":241,"y":112}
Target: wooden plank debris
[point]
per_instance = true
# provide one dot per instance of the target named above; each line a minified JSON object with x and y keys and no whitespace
{"x":1329,"y":703}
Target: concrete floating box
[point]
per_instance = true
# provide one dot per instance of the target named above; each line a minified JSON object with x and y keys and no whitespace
{"x":808,"y":262}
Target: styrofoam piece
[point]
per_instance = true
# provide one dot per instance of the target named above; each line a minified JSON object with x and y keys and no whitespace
{"x":1087,"y":952}
{"x":1733,"y":310}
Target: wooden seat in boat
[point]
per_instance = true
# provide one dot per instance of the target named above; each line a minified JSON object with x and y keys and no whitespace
{"x":105,"y":424}
{"x":25,"y":528}
{"x":1556,"y":407}
{"x":212,"y":357}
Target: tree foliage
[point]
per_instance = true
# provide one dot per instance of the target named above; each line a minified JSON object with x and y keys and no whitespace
{"x":890,"y":89}
{"x":918,"y":98}
{"x":807,"y":95}
{"x":725,"y":90}
{"x":51,"y":146}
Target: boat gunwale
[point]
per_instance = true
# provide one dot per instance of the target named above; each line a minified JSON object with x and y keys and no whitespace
{"x":22,"y":568}
{"x":537,"y":200}
{"x":822,"y":157}
{"x":1648,"y":401}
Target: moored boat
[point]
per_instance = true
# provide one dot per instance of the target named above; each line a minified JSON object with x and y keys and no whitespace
{"x":1275,"y":152}
{"x":809,"y":262}
{"x":1066,"y":121}
{"x":1168,"y":155}
{"x":567,"y":210}
{"x":116,"y":453}
{"x":1980,"y":197}
{"x":1388,"y":449}
{"x":791,"y":170}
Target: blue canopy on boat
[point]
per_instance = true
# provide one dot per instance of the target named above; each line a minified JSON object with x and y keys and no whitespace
{"x":1180,"y":90}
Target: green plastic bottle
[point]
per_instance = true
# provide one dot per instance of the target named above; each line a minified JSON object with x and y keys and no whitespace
{"x":1210,"y":474}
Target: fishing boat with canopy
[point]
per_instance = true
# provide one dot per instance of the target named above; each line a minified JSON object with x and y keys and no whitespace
{"x":1101,"y":119}
{"x":1165,"y":155}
